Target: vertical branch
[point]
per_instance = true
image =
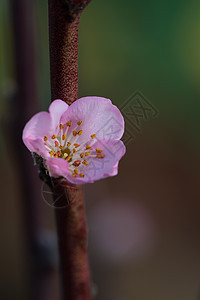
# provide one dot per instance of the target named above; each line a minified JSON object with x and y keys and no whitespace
{"x":70,"y":212}
{"x":25,"y":104}
{"x":63,"y":54}
{"x":72,"y":239}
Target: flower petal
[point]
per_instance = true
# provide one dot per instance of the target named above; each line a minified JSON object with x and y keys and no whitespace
{"x":99,"y":116}
{"x":57,"y":109}
{"x":43,"y":124}
{"x":58,"y":167}
{"x":99,"y":168}
{"x":37,"y":145}
{"x":36,"y":128}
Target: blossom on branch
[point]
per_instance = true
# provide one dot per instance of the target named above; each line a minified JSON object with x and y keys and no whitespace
{"x":80,"y":142}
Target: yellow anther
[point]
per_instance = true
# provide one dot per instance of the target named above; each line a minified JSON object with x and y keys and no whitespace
{"x":81,"y":174}
{"x":79,"y":123}
{"x":93,"y":136}
{"x":69,"y":157}
{"x":98,"y":150}
{"x":61,"y":147}
{"x":88,"y":147}
{"x":54,"y":136}
{"x":68,"y":144}
{"x":74,"y":175}
{"x":74,"y":150}
{"x":45,"y":138}
{"x":100,"y":155}
{"x":77,"y":163}
{"x":85,"y":162}
{"x":64,"y":137}
{"x":52,"y":153}
{"x":80,"y":132}
{"x":82,"y":155}
{"x":65,"y":155}
{"x":61,"y":126}
{"x":59,"y":153}
{"x":74,"y":133}
{"x":69,"y":123}
{"x":87,"y":153}
{"x":55,"y":155}
{"x":76,"y":171}
{"x":76,"y":145}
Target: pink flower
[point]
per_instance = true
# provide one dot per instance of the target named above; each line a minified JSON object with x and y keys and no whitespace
{"x":80,"y":142}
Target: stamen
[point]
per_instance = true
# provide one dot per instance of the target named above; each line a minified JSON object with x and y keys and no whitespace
{"x":100,"y":155}
{"x":88,"y":147}
{"x":69,"y":123}
{"x":74,"y":133}
{"x":52,"y":153}
{"x":76,"y":145}
{"x":59,"y":153}
{"x":77,"y":163}
{"x":85,"y":162}
{"x":76,"y":171}
{"x":64,"y":150}
{"x":98,"y":150}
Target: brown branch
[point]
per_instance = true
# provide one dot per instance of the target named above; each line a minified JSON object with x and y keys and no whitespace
{"x":63,"y":43}
{"x":24,"y":105}
{"x":68,"y":198}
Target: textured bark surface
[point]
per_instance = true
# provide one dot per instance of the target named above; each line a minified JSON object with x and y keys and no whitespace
{"x":72,"y":240}
{"x":63,"y":45}
{"x":68,"y":198}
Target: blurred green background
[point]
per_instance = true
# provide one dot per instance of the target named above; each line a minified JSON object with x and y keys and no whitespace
{"x":153,"y":47}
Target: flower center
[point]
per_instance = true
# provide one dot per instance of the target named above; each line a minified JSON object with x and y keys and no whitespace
{"x":65,"y":145}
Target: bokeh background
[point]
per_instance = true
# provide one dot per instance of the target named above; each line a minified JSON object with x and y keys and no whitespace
{"x":144,"y":224}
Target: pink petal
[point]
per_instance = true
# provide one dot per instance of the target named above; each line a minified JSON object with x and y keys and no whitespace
{"x":57,"y":109}
{"x":99,"y":116}
{"x":37,"y":145}
{"x":58,"y":167}
{"x":43,"y":124}
{"x":36,"y":128}
{"x":99,"y":168}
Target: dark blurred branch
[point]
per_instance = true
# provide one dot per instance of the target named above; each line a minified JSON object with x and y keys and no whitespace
{"x":23,"y":106}
{"x":70,"y":217}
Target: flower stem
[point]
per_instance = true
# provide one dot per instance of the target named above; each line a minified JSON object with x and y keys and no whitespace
{"x":68,"y":198}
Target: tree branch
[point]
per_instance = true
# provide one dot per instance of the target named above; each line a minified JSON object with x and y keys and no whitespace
{"x":68,"y":198}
